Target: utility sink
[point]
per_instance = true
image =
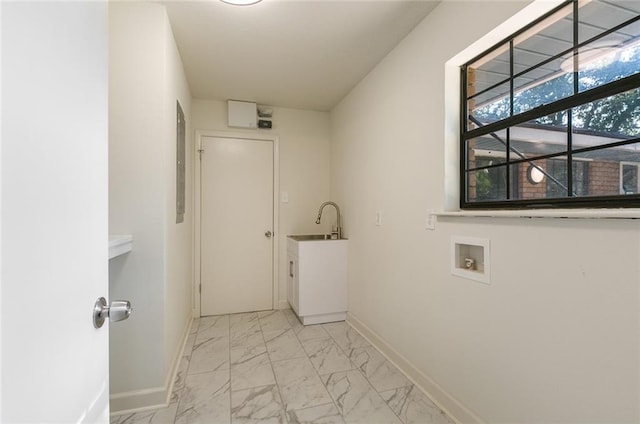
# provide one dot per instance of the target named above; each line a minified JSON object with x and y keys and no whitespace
{"x":317,"y":278}
{"x":310,"y":237}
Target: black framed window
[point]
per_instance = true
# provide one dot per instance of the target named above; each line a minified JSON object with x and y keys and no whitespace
{"x":551,"y":115}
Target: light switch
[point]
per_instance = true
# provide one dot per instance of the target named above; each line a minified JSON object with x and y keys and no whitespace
{"x":284,"y":197}
{"x":378,"y":218}
{"x":430,"y":221}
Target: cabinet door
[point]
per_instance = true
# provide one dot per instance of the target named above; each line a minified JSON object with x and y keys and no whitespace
{"x":290,"y":262}
{"x":296,"y":284}
{"x":292,"y":281}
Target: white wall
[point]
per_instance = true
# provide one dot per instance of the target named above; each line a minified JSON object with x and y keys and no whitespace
{"x":179,"y":237}
{"x":146,"y":78}
{"x":554,"y":338}
{"x":1,"y":239}
{"x":304,"y":167}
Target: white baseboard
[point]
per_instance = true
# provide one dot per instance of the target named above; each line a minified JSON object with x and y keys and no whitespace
{"x":445,"y":401}
{"x":138,"y":400}
{"x":155,"y":397}
{"x":175,"y":364}
{"x":283,"y":304}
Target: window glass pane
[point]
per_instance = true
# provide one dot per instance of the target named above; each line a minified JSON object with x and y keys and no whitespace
{"x":548,"y":178}
{"x":548,"y":38}
{"x":479,"y":81}
{"x":487,"y":184}
{"x":557,"y":178}
{"x":488,"y":70}
{"x":490,"y":106}
{"x":608,"y":59}
{"x":611,"y":170}
{"x":549,"y":82}
{"x":542,"y":136}
{"x":608,"y":120}
{"x":581,"y":182}
{"x":629,"y":178}
{"x":530,"y":180}
{"x":597,"y":16}
{"x":541,"y":86}
{"x":491,"y":184}
{"x":491,"y":149}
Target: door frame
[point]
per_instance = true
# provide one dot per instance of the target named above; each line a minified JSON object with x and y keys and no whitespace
{"x":197,"y":281}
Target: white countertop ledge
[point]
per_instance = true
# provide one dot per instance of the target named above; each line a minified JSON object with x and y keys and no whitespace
{"x":119,"y":245}
{"x":545,"y":213}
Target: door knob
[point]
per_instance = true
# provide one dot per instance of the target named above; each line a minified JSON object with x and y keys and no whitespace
{"x":119,"y":310}
{"x":268,"y":234}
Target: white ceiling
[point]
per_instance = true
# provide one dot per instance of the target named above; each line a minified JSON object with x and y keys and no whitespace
{"x":305,"y":54}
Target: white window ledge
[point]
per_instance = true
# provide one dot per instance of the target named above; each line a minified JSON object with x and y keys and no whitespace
{"x":546,"y":213}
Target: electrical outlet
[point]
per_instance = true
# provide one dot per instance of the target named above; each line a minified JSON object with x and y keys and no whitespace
{"x":431,"y":221}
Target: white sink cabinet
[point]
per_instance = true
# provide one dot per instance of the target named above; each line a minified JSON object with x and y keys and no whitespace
{"x":317,"y":279}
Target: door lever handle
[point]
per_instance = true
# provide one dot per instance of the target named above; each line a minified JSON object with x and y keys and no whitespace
{"x":119,"y":310}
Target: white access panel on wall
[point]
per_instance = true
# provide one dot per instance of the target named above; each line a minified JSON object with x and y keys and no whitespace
{"x":242,"y":114}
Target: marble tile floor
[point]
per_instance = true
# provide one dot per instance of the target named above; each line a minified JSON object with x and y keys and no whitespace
{"x":266,"y":367}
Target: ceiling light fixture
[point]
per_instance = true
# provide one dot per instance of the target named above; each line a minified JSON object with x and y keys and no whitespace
{"x":241,"y":2}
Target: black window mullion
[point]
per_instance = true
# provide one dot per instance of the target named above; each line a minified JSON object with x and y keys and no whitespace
{"x":577,"y":44}
{"x":590,"y":40}
{"x":570,"y":189}
{"x":517,"y":33}
{"x":464,"y":112}
{"x":511,"y":92}
{"x":511,"y":83}
{"x":486,"y":90}
{"x":465,"y":106}
{"x":576,"y":63}
{"x":576,"y":52}
{"x":558,"y":154}
{"x":575,"y":47}
{"x":615,"y":87}
{"x":508,"y":164}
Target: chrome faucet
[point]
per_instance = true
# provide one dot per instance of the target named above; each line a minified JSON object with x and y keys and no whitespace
{"x":339,"y":230}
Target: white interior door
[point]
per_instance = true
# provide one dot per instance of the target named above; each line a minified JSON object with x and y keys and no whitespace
{"x":236,"y":225}
{"x":54,"y":211}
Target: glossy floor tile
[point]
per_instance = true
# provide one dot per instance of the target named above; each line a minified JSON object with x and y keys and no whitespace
{"x":266,"y":367}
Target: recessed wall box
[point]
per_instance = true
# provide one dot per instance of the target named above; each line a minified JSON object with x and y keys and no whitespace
{"x":242,"y":114}
{"x":262,"y":123}
{"x":471,"y":258}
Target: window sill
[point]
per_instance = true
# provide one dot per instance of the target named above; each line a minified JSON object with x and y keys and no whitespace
{"x":545,"y":213}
